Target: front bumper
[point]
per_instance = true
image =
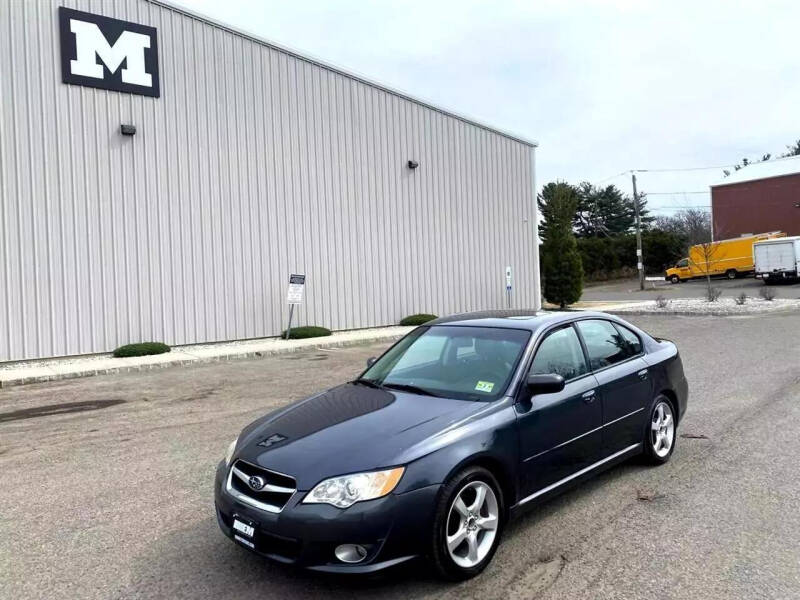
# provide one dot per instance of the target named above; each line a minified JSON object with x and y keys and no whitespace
{"x":394,"y":528}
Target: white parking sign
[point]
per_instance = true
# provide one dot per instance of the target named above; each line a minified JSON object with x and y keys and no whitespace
{"x":297,"y":284}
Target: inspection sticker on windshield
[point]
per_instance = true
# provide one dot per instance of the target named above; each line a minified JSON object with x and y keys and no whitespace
{"x":484,"y":386}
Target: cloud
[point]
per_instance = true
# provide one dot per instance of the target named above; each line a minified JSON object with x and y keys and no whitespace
{"x":603,"y":86}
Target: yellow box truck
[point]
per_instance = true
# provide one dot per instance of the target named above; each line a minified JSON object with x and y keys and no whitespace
{"x":731,"y":258}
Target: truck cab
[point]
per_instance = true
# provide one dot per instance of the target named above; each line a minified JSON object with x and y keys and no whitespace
{"x":679,"y":272}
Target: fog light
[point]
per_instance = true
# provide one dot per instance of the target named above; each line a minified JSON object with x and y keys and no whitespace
{"x":350,"y":553}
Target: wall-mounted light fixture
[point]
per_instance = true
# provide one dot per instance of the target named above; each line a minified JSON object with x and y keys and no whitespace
{"x":128,"y":129}
{"x":412,"y":164}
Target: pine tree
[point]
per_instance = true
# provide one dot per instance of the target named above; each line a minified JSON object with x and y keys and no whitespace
{"x":561,"y":263}
{"x":607,"y":211}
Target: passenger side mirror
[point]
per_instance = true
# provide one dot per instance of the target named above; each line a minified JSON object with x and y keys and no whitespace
{"x":545,"y":384}
{"x":371,"y":361}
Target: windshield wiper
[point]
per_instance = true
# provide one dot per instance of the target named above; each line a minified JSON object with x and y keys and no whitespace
{"x":406,"y":387}
{"x":368,"y":383}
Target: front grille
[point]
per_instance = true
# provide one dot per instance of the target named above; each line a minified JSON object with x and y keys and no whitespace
{"x":274,"y":494}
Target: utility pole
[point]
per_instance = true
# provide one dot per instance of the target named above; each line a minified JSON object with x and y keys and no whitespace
{"x":639,"y":263}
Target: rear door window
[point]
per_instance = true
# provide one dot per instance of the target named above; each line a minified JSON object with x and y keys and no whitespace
{"x":604,"y":343}
{"x":560,"y":353}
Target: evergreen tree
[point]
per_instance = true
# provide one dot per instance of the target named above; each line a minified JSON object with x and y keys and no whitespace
{"x":607,"y":211}
{"x":545,"y":202}
{"x":561,"y":262}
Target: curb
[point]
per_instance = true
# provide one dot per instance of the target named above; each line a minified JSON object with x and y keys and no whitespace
{"x":180,"y":358}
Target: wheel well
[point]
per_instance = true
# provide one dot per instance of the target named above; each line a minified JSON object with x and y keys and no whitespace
{"x":496,"y":468}
{"x":673,"y":399}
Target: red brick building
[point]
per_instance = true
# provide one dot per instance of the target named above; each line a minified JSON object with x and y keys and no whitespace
{"x":758,"y":198}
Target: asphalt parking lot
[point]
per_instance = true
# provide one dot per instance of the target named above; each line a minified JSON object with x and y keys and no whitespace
{"x":107,"y":486}
{"x":628,"y":289}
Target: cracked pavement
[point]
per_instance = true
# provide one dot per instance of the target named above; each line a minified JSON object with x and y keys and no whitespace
{"x":112,"y":498}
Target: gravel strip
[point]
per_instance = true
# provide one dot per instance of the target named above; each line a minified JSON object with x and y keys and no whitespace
{"x":700,"y":306}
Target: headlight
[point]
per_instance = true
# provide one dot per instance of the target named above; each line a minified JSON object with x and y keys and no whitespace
{"x":229,"y":453}
{"x":347,"y":490}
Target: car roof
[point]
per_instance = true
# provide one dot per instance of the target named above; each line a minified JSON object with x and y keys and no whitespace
{"x":515,"y":319}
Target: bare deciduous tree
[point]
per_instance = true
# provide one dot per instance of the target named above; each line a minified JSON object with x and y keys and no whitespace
{"x":692,"y":223}
{"x":706,"y":253}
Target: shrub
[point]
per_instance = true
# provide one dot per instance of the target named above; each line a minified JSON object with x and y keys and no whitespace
{"x":308,"y":331}
{"x":141,"y":349}
{"x":609,"y":257}
{"x":767,"y":293}
{"x":562,"y":267}
{"x":662,"y":302}
{"x":418,"y":319}
{"x":741,"y":299}
{"x":713,"y":294}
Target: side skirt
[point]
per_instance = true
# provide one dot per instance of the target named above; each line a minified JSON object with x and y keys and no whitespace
{"x":593,"y":469}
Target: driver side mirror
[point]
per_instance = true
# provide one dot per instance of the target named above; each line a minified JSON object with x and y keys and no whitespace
{"x":545,"y":384}
{"x":371,"y":361}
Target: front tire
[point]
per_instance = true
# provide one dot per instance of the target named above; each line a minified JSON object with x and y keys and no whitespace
{"x":467,"y":524}
{"x":661,"y":432}
{"x":731,"y":274}
{"x":674,"y":279}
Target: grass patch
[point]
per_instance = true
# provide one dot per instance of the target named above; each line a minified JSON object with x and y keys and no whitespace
{"x":419,"y":319}
{"x":142,"y":349}
{"x":310,"y":331}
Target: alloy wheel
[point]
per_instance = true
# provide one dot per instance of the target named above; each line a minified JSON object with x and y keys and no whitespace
{"x":472,"y":524}
{"x":662,"y":429}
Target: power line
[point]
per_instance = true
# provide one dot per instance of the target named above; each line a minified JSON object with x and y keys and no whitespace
{"x":612,"y":177}
{"x":663,"y":171}
{"x":670,"y":206}
{"x":682,"y":169}
{"x":671,"y":193}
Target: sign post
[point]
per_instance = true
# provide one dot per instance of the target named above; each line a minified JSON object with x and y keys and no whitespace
{"x":294,"y":296}
{"x":508,"y":286}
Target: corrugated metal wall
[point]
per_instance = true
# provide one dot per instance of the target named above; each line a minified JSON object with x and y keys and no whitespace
{"x":252,"y":164}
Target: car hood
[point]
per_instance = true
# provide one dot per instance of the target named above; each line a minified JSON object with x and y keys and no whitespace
{"x":347,"y":429}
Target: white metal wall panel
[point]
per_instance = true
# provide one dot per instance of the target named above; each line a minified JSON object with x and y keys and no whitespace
{"x":253,"y":163}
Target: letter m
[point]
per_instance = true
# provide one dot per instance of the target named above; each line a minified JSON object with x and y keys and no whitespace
{"x":91,"y":44}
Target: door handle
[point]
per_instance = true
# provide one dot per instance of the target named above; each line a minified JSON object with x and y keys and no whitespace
{"x":642,"y":374}
{"x":588,"y":396}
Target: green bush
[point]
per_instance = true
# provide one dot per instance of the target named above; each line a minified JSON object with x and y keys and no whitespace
{"x":142,"y":349}
{"x":608,"y":257}
{"x":308,"y":331}
{"x":419,"y":319}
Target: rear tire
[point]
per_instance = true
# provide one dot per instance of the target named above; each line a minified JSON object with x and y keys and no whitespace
{"x":660,"y":432}
{"x":731,"y":274}
{"x":467,"y":524}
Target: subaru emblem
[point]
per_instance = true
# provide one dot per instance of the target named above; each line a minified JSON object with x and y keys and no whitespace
{"x":257,"y":483}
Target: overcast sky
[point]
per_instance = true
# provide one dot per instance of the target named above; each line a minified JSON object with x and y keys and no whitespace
{"x":604,"y":87}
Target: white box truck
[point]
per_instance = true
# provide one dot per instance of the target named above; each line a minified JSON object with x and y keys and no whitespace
{"x":777,"y":259}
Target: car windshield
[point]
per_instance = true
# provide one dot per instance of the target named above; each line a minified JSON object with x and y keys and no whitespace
{"x":468,"y":363}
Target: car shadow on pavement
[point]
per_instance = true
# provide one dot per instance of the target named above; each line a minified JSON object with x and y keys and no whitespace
{"x":198,"y":561}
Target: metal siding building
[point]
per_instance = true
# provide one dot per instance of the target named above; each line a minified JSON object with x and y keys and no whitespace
{"x":253,"y":163}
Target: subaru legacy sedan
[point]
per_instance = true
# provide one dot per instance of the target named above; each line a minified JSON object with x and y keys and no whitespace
{"x":458,"y":426}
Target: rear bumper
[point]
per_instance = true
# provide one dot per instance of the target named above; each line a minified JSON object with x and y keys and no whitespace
{"x":394,"y":529}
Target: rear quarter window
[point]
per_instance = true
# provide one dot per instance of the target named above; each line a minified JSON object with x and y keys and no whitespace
{"x":605,"y":344}
{"x":633,"y":341}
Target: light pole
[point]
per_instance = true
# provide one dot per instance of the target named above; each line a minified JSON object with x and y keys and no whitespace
{"x":639,"y":261}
